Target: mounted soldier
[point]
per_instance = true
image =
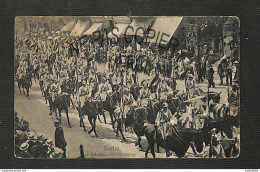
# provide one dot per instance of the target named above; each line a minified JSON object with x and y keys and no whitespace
{"x":128,"y":78}
{"x":145,"y":94}
{"x":128,"y":102}
{"x":85,"y":91}
{"x":163,"y":90}
{"x":55,"y":90}
{"x":104,"y":88}
{"x":163,"y":120}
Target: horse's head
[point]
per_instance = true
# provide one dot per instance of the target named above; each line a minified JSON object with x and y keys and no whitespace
{"x":198,"y":140}
{"x":129,"y":118}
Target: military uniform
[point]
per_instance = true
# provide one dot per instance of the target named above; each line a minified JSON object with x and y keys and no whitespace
{"x":103,"y":89}
{"x":163,"y":120}
{"x":55,"y":91}
{"x":164,"y":90}
{"x":144,"y":95}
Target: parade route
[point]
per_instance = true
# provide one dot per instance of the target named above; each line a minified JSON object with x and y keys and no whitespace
{"x":34,"y":109}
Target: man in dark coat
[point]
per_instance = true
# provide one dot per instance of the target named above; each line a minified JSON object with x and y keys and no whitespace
{"x":60,"y":141}
{"x":209,"y":75}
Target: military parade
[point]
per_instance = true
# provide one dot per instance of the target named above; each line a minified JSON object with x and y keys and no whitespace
{"x":183,"y":97}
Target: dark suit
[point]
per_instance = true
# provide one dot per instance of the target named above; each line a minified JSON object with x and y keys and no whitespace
{"x":60,"y":141}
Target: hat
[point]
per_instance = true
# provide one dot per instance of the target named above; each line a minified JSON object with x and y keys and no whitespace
{"x":39,"y":136}
{"x":24,"y":146}
{"x":31,"y":135}
{"x":165,"y":105}
{"x":49,"y":141}
{"x":19,"y":133}
{"x":57,"y":122}
{"x":57,"y":151}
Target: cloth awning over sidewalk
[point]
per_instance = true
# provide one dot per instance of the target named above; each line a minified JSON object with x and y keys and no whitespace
{"x":80,"y":27}
{"x":94,"y":27}
{"x":138,"y":27}
{"x":166,"y":26}
{"x":119,"y":30}
{"x":69,"y":26}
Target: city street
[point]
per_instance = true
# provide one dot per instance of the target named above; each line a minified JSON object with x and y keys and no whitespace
{"x":34,"y":110}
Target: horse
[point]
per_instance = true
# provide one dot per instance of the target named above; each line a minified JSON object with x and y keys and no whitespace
{"x":136,"y":118}
{"x":177,"y":140}
{"x":223,"y":126}
{"x":89,"y":108}
{"x":24,"y":83}
{"x":175,"y":103}
{"x":110,"y":105}
{"x":60,"y":103}
{"x":220,"y":111}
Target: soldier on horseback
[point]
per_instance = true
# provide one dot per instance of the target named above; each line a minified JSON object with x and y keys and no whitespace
{"x":144,"y":95}
{"x":164,"y":120}
{"x":163,"y":89}
{"x":164,"y":116}
{"x":55,"y":89}
{"x":104,"y":88}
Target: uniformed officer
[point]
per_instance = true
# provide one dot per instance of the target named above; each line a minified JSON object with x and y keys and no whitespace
{"x":104,"y":88}
{"x":55,"y":89}
{"x":144,"y":95}
{"x":163,"y":120}
{"x":163,"y":89}
{"x":190,"y":86}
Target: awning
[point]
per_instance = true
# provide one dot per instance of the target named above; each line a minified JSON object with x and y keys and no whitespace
{"x":95,"y":27}
{"x":80,"y":27}
{"x":69,"y":26}
{"x":119,"y":29}
{"x":166,"y":26}
{"x":138,"y":27}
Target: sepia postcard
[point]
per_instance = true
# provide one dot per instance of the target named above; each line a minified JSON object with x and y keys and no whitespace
{"x":126,"y":87}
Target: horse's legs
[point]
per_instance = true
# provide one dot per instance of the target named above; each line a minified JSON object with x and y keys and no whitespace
{"x":94,"y":126}
{"x":45,"y":96}
{"x":27,"y":89}
{"x":139,"y":142}
{"x":152,"y":150}
{"x":50,"y":105}
{"x":19,"y":86}
{"x":99,"y":118}
{"x":193,"y":149}
{"x":67,"y":113}
{"x":121,"y":131}
{"x":103,"y":113}
{"x":59,"y":115}
{"x":90,"y":121}
{"x":55,"y":111}
{"x":147,"y":150}
{"x":112,"y":120}
{"x":81,"y":122}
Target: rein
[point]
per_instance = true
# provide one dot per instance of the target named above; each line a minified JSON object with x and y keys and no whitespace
{"x":178,"y":134}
